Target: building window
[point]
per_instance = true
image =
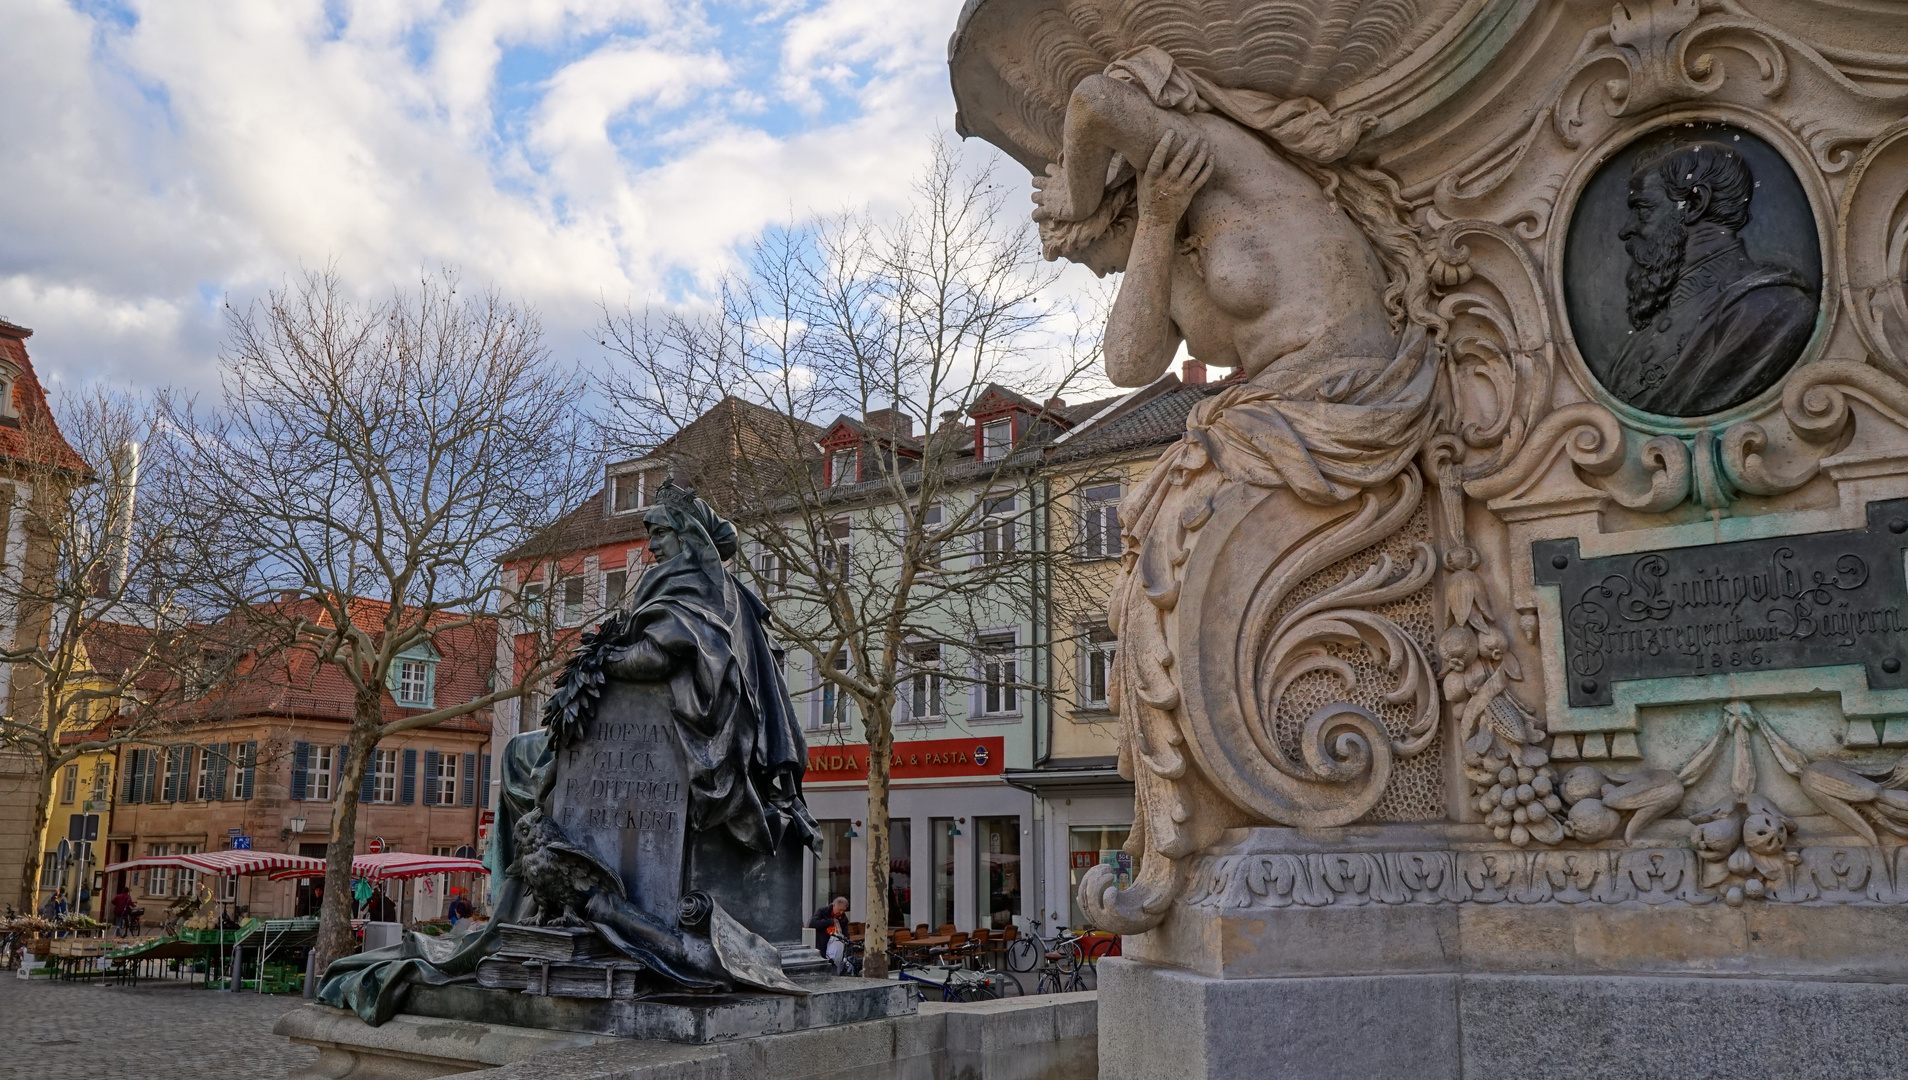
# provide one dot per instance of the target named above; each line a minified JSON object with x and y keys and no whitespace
{"x":628,"y":492}
{"x":834,"y":864}
{"x":384,"y":778}
{"x":532,"y":601}
{"x":924,"y":683}
{"x":771,"y":574}
{"x":1000,"y":676}
{"x":838,"y":546}
{"x":188,"y":880}
{"x":1100,"y":522}
{"x":843,"y":467}
{"x":900,"y":871}
{"x":69,"y":785}
{"x":446,"y":780}
{"x":158,"y":880}
{"x":1089,"y":846}
{"x":834,"y":701}
{"x":997,"y":439}
{"x":414,"y":682}
{"x":209,"y":775}
{"x":997,"y":870}
{"x":573,"y":600}
{"x":997,"y":528}
{"x":930,"y":547}
{"x":529,"y":712}
{"x":615,"y":587}
{"x":318,"y":785}
{"x":1096,"y":668}
{"x":941,"y":910}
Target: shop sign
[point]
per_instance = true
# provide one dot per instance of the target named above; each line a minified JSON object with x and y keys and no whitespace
{"x":916,"y":759}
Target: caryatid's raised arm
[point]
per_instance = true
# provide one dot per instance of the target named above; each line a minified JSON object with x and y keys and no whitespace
{"x":1104,"y":117}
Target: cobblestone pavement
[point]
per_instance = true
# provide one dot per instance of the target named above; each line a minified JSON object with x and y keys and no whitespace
{"x":157,"y":1031}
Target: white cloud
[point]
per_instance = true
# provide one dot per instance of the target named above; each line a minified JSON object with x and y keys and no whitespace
{"x":165,"y":158}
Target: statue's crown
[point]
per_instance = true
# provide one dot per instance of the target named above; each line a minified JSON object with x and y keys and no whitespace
{"x":677,"y":497}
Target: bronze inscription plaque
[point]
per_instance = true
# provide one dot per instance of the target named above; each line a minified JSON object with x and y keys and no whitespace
{"x":1812,"y":600}
{"x":622,"y":794}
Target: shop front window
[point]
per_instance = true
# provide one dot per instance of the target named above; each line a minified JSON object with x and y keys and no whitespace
{"x":900,"y":870}
{"x":1096,"y":845}
{"x":832,"y":865}
{"x":943,"y":908}
{"x":997,"y":870}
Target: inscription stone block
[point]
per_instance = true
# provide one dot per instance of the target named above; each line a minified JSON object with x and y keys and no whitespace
{"x":1809,"y":600}
{"x":623,"y":794}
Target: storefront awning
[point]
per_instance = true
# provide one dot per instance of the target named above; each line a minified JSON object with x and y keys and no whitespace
{"x":223,"y":862}
{"x":392,"y":865}
{"x":1072,"y":776}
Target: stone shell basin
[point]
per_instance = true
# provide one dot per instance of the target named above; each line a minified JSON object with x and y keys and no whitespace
{"x":1014,"y":63}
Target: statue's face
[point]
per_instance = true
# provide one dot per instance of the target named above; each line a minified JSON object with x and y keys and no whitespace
{"x":664,"y":542}
{"x":1109,"y":253}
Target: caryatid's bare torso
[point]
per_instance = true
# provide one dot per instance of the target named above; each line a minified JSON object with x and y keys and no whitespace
{"x":1258,"y":270}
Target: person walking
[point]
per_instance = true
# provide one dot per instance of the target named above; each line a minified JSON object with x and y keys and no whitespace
{"x":122,"y":910}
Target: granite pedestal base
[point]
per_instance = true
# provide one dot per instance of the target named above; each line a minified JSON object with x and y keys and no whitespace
{"x":678,"y":1018}
{"x":1050,"y":1037}
{"x":1161,"y":1023}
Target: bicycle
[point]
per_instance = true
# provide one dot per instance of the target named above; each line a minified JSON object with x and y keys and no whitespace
{"x":1027,"y":950}
{"x":957,"y":984}
{"x":1060,"y":977}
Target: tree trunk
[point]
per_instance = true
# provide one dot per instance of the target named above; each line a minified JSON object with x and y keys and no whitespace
{"x":880,"y":753}
{"x":335,"y":938}
{"x":30,"y":866}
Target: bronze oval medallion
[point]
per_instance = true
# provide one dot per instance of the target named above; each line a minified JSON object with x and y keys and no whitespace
{"x":1692,"y":270}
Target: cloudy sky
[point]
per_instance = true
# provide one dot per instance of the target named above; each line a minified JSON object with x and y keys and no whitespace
{"x":163,"y":157}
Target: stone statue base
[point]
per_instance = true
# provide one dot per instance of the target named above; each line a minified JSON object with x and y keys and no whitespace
{"x":1161,"y":1022}
{"x":677,"y":1018}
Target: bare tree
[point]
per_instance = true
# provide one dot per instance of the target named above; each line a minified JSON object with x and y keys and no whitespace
{"x":105,"y":650}
{"x":884,"y":540}
{"x":367,"y":466}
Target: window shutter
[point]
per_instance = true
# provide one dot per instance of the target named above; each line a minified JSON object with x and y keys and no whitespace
{"x":431,"y":796}
{"x":131,"y":784}
{"x":148,"y":791}
{"x":469,"y":778}
{"x":248,"y":768}
{"x":369,"y":789}
{"x":188,"y":760}
{"x":301,"y":771}
{"x":337,"y":774}
{"x":409,"y":794}
{"x":483,"y":778}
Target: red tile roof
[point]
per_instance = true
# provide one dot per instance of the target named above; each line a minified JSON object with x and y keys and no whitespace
{"x":31,"y":435}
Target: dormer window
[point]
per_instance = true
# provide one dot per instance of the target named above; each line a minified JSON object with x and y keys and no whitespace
{"x":843,"y":466}
{"x":9,"y":381}
{"x":629,"y":492}
{"x":413,"y":677}
{"x":997,"y":439}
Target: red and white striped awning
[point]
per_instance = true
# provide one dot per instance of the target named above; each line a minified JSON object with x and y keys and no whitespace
{"x":392,"y":865}
{"x":224,"y":862}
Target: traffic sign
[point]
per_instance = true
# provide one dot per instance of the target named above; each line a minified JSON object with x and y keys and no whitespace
{"x":64,"y":853}
{"x":377,"y":845}
{"x":241,"y":843}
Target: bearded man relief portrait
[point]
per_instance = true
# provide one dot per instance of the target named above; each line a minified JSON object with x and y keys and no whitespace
{"x":1693,"y":272}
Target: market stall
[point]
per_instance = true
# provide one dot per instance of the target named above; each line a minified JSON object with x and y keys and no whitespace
{"x":386,"y":867}
{"x":224,"y":941}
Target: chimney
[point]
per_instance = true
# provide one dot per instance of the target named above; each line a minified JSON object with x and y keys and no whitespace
{"x":1192,"y":372}
{"x":1055,"y":404}
{"x":125,"y":487}
{"x":951,"y":416}
{"x":891,"y":420}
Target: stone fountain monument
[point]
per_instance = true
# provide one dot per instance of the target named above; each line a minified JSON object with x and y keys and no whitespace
{"x":1512,"y":652}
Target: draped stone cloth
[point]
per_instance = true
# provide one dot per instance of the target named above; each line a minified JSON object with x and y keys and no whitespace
{"x":374,"y":984}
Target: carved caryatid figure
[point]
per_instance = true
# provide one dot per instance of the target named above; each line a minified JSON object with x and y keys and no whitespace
{"x":1237,"y":236}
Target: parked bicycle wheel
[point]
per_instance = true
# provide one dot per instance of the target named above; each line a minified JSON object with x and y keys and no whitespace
{"x":973,"y":991}
{"x":1049,"y":982}
{"x":1007,"y":984}
{"x":1023,"y":954}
